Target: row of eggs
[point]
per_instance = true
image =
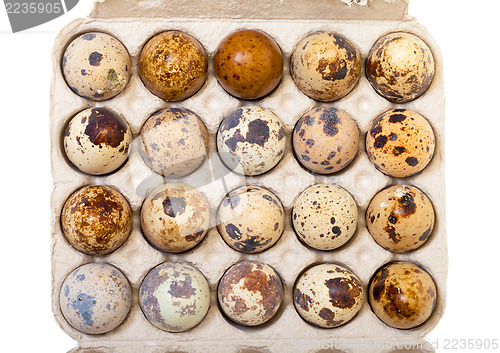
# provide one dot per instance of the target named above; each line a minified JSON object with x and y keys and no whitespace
{"x":175,"y":296}
{"x":248,"y":64}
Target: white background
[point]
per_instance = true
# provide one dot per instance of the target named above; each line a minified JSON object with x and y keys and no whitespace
{"x":468,"y":33}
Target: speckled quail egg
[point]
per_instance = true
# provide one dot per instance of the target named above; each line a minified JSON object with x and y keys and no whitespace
{"x":97,"y":141}
{"x":325,"y":66}
{"x":250,"y":219}
{"x":96,"y":66}
{"x":251,"y":140}
{"x":174,"y":142}
{"x":173,"y":65}
{"x":325,"y":216}
{"x":400,"y":67}
{"x":328,"y":295}
{"x":174,"y":296}
{"x":95,"y":298}
{"x":402,"y":295}
{"x":248,"y":64}
{"x":400,"y":218}
{"x":250,"y":293}
{"x":96,"y":220}
{"x":325,"y":140}
{"x":400,"y":143}
{"x":175,"y":217}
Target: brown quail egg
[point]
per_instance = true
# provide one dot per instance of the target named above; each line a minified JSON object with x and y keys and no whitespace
{"x":325,"y":140}
{"x":250,"y":293}
{"x":400,"y":218}
{"x":174,"y":142}
{"x":250,"y":219}
{"x":175,"y":217}
{"x":400,"y":143}
{"x":328,"y":295}
{"x":96,"y":220}
{"x":96,"y":66}
{"x":248,"y":64}
{"x":251,"y":140}
{"x":173,"y":65}
{"x":325,"y":66}
{"x":402,"y":295}
{"x":400,"y":67}
{"x":325,"y":216}
{"x":97,"y":141}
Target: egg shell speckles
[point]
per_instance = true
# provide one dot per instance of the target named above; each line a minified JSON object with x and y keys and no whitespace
{"x":328,"y":295}
{"x":173,"y":65}
{"x":400,"y":143}
{"x":174,"y":142}
{"x":97,"y":141}
{"x":251,"y":140}
{"x":248,"y":64}
{"x":402,"y":295}
{"x":325,"y":66}
{"x":400,"y":67}
{"x":400,"y":218}
{"x":325,"y":216}
{"x":250,"y":293}
{"x":95,"y":298}
{"x":96,"y":220}
{"x":250,"y":219}
{"x":174,"y":296}
{"x":325,"y":140}
{"x":175,"y":217}
{"x":96,"y":66}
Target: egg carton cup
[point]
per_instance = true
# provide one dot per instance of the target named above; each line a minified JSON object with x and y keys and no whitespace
{"x":133,"y":23}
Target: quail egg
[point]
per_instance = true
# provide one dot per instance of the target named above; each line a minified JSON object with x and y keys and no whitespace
{"x":174,"y":296}
{"x":96,"y":66}
{"x":250,"y":293}
{"x":251,"y":140}
{"x":96,"y":220}
{"x":402,"y":295}
{"x":328,"y":295}
{"x":175,"y":217}
{"x":400,"y":143}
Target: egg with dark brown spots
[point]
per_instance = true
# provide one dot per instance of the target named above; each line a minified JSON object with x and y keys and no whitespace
{"x":400,"y":218}
{"x":248,"y":64}
{"x":400,"y":67}
{"x":173,"y":65}
{"x":250,"y":293}
{"x":175,"y":217}
{"x":325,"y":66}
{"x":325,"y":216}
{"x":174,"y":142}
{"x":328,"y":295}
{"x":96,"y":220}
{"x":174,"y":296}
{"x":251,"y":140}
{"x":97,"y":141}
{"x":325,"y":140}
{"x":250,"y":219}
{"x":402,"y":295}
{"x":400,"y":143}
{"x":96,"y":66}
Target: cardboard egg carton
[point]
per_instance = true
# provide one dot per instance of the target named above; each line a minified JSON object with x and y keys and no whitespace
{"x":287,"y":21}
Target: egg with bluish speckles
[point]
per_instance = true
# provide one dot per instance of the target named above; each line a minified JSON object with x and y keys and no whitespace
{"x":174,"y":296}
{"x":96,"y":66}
{"x":251,"y":140}
{"x":400,"y":143}
{"x":328,"y":295}
{"x":325,"y":216}
{"x":250,"y":293}
{"x":97,"y":141}
{"x":95,"y":298}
